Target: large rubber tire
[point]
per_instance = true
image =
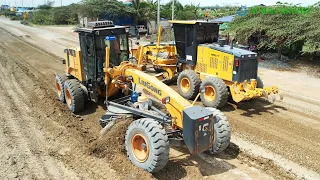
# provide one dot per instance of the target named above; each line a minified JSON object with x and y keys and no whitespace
{"x":74,"y":95}
{"x":60,"y":80}
{"x":193,"y":79}
{"x":259,"y":82}
{"x":216,"y":94}
{"x":222,"y":132}
{"x":156,"y":141}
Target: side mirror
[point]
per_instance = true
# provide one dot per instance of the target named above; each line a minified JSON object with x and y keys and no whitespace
{"x":137,"y":43}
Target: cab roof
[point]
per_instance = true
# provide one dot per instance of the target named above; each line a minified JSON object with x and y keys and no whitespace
{"x":191,"y":22}
{"x":86,"y":29}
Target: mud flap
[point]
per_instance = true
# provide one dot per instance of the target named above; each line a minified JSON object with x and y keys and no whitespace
{"x":198,"y":129}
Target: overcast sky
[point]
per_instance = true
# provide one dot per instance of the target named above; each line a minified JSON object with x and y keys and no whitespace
{"x":202,"y":2}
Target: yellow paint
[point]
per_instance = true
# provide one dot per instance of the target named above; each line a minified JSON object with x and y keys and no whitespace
{"x":210,"y":93}
{"x":25,"y":15}
{"x":214,"y":63}
{"x":74,"y":65}
{"x":185,"y":84}
{"x":160,"y":90}
{"x":159,"y":36}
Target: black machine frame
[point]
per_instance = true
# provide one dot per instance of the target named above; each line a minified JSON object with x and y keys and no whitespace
{"x":194,"y":34}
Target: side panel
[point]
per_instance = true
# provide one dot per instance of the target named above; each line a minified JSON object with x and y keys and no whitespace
{"x":225,"y":66}
{"x":215,"y":63}
{"x":198,"y":129}
{"x":248,"y":69}
{"x":73,"y":63}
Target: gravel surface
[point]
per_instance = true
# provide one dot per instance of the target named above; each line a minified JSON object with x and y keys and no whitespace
{"x":270,"y":61}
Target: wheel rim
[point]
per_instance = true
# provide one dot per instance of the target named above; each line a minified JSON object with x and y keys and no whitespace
{"x":185,"y":84}
{"x":58,"y":89}
{"x":210,"y":93}
{"x":140,"y":147}
{"x":68,"y":97}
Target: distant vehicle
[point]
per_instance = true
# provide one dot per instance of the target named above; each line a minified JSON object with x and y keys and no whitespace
{"x":132,"y":31}
{"x":5,"y":7}
{"x":142,"y":29}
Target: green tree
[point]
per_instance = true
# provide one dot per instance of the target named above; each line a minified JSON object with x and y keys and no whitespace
{"x":166,"y":9}
{"x":144,"y":10}
{"x":279,"y":31}
{"x":114,"y":8}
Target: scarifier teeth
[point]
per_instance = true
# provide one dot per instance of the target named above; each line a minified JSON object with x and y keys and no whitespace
{"x":280,"y":96}
{"x":272,"y":98}
{"x":265,"y":94}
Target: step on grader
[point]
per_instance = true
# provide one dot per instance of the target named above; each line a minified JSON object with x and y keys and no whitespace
{"x":202,"y":61}
{"x":101,"y":67}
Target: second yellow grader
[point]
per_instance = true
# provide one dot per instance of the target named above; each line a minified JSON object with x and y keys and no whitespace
{"x":203,"y":61}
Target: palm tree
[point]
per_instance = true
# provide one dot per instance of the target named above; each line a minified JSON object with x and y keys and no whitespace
{"x":144,"y":10}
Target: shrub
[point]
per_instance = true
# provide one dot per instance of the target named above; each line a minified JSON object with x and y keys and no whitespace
{"x":16,"y":18}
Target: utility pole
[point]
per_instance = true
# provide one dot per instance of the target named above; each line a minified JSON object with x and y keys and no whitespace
{"x":61,"y":3}
{"x":158,"y":14}
{"x":22,"y":3}
{"x":172,"y":10}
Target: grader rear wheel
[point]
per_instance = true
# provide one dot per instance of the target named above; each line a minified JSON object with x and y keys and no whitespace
{"x":216,"y":94}
{"x":74,"y":95}
{"x":60,"y":80}
{"x":147,"y":144}
{"x":188,"y":84}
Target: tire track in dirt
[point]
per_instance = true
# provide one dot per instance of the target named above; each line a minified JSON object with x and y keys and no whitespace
{"x":77,"y":158}
{"x":22,"y":130}
{"x":78,"y":155}
{"x":281,"y":130}
{"x":287,"y":130}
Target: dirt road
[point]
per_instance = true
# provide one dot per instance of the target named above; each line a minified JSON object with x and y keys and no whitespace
{"x":43,"y":140}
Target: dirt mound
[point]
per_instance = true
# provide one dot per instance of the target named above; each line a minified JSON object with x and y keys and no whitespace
{"x":112,"y":147}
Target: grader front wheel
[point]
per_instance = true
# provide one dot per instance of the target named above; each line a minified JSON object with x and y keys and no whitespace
{"x":222,"y":132}
{"x":216,"y":94}
{"x":147,"y":144}
{"x":188,"y":84}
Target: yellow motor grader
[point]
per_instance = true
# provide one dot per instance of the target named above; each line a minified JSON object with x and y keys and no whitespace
{"x":202,"y":61}
{"x":101,"y":67}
